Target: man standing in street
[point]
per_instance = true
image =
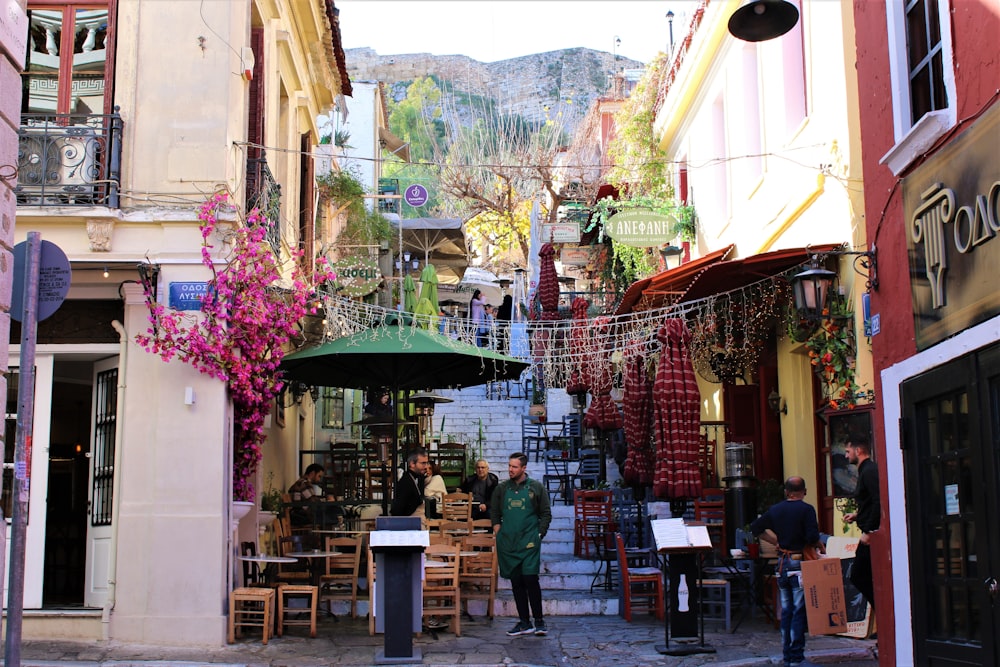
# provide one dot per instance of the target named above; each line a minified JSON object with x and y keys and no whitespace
{"x":408,"y":495}
{"x":481,"y":485}
{"x":868,"y":514}
{"x":520,"y":513}
{"x":794,"y":522}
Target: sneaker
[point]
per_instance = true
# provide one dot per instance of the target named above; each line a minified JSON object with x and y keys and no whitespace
{"x":522,"y":628}
{"x":540,"y":628}
{"x":435,"y":623}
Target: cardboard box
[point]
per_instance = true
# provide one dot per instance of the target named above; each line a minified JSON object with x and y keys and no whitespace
{"x":823,"y":584}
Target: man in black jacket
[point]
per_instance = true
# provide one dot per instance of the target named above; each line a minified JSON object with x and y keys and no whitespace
{"x":408,"y":495}
{"x":868,"y":514}
{"x":481,"y":486}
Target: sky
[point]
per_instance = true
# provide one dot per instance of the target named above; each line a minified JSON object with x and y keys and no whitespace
{"x":491,"y":30}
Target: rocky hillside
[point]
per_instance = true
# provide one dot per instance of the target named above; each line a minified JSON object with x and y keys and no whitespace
{"x":567,"y":80}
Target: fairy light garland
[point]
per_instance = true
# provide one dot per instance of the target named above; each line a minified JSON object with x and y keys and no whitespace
{"x":728,"y":332}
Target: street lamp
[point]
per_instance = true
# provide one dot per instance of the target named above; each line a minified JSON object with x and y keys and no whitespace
{"x":670,"y":25}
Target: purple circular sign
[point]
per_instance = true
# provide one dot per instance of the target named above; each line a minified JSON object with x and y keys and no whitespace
{"x":415,"y":195}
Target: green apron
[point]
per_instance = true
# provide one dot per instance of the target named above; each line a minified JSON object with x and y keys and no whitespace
{"x":519,"y":544}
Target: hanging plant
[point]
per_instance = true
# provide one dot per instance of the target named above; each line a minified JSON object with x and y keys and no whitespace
{"x":833,"y":354}
{"x":248,"y":316}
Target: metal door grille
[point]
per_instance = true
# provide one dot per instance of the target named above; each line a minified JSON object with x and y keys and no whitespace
{"x":103,"y":453}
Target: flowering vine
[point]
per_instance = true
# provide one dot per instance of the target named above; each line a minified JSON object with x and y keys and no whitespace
{"x":832,"y":353}
{"x":248,"y":318}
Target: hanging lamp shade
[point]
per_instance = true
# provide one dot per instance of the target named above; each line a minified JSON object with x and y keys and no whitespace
{"x":762,"y":20}
{"x":811,"y":288}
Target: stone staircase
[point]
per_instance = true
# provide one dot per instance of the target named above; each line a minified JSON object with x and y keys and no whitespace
{"x":565,"y":578}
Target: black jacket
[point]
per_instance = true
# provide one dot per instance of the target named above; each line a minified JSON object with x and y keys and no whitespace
{"x":408,"y":495}
{"x":491,"y":485}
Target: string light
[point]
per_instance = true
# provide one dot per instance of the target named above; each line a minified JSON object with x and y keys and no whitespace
{"x":106,"y":272}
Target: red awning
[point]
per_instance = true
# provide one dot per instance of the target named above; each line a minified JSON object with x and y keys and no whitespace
{"x":665,"y":287}
{"x":713,"y":274}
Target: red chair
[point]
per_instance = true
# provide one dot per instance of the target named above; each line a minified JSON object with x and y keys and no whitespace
{"x":642,"y":585}
{"x":594,"y":522}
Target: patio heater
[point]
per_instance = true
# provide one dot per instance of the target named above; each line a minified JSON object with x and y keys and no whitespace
{"x":423,"y":409}
{"x":741,"y":488}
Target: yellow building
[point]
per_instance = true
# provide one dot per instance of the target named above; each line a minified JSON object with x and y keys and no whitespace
{"x":134,"y":112}
{"x":761,"y":138}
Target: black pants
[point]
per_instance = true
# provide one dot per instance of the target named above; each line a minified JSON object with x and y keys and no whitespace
{"x":527,"y":592}
{"x":861,"y":573}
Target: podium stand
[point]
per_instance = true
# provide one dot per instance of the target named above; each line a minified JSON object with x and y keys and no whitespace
{"x":398,"y":543}
{"x":675,"y":539}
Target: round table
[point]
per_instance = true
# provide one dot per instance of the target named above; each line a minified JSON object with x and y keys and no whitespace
{"x":270,"y":565}
{"x":316,"y":559}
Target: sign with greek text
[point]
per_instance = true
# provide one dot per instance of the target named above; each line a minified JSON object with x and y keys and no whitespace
{"x":357,"y":275}
{"x":187,"y":295}
{"x":561,"y":232}
{"x":641,"y":228}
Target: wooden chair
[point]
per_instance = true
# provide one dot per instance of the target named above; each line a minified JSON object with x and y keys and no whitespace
{"x":252,"y":575}
{"x":557,"y":479}
{"x":292,"y":572}
{"x":289,"y":592}
{"x":250,"y":608}
{"x":441,"y":585}
{"x":371,"y":592}
{"x":593,"y":520}
{"x":710,"y":509}
{"x":589,"y":472}
{"x":533,"y":438}
{"x":456,"y":507}
{"x":478,"y":573}
{"x":642,"y":585}
{"x":341,"y":579}
{"x":482,"y":527}
{"x":456,"y":530}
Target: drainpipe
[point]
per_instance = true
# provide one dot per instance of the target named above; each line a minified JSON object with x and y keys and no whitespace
{"x":109,"y":603}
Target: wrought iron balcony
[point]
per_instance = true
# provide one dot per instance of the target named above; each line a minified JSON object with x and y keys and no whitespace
{"x":69,"y":160}
{"x":264,"y":194}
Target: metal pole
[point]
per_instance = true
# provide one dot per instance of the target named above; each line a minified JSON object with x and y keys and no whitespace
{"x":22,"y":450}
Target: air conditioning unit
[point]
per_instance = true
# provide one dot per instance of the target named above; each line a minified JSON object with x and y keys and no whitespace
{"x":57,"y":164}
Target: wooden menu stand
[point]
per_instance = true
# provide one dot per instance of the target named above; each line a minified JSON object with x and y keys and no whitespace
{"x":674,"y":538}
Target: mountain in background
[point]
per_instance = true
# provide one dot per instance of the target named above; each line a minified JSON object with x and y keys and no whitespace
{"x":566,"y":81}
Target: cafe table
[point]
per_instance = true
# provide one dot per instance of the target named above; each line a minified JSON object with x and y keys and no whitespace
{"x":316,"y":559}
{"x":270,"y":564}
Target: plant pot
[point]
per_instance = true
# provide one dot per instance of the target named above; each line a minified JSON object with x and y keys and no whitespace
{"x":537,"y":410}
{"x":265,"y":518}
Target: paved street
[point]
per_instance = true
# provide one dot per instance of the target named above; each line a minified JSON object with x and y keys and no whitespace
{"x":575,"y":641}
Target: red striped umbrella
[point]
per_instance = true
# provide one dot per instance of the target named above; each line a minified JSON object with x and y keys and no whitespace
{"x":676,"y":416}
{"x":602,"y":414}
{"x":548,"y":283}
{"x":578,"y":382}
{"x":637,"y":404}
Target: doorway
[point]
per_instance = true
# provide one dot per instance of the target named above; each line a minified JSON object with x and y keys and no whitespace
{"x":951,"y":457}
{"x":66,"y":505}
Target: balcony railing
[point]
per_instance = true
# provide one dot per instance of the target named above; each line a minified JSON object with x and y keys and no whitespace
{"x":264,"y":194}
{"x":69,"y":160}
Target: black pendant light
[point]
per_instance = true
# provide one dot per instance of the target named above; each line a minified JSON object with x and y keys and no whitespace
{"x":761,"y":20}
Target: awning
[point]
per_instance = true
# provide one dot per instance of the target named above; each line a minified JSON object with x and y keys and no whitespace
{"x":713,"y":274}
{"x":668,"y":286}
{"x":393,"y":144}
{"x":438,"y":241}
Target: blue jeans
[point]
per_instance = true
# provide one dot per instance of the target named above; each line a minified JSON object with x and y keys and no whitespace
{"x":793,"y":610}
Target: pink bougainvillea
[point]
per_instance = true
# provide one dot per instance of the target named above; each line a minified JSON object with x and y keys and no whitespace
{"x":248,"y":318}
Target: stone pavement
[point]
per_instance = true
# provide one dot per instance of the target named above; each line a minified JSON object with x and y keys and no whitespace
{"x":574,"y":641}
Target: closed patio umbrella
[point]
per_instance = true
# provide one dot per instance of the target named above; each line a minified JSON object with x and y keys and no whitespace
{"x":577,"y":381}
{"x":429,"y":286}
{"x":637,"y":405}
{"x":676,"y":416}
{"x":409,"y":294}
{"x":603,"y":413}
{"x":548,"y":283}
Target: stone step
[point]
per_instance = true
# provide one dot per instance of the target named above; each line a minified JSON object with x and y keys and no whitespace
{"x":564,"y":603}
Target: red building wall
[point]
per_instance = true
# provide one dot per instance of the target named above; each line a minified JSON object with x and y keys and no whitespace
{"x":975,"y":26}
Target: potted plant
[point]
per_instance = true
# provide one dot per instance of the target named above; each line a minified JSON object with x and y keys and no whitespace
{"x":537,"y":408}
{"x":270,"y":502}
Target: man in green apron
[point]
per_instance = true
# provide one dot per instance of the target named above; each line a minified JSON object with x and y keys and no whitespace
{"x":521,"y":515}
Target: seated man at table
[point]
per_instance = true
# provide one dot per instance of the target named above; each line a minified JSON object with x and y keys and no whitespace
{"x":481,"y":486}
{"x":310,"y":487}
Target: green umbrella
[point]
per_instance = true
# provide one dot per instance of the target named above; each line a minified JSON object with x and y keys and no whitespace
{"x":409,"y":294}
{"x":399,"y":358}
{"x":426,"y":315}
{"x":429,"y":286}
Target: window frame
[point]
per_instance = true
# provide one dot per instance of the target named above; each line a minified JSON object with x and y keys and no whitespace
{"x":913,"y":139}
